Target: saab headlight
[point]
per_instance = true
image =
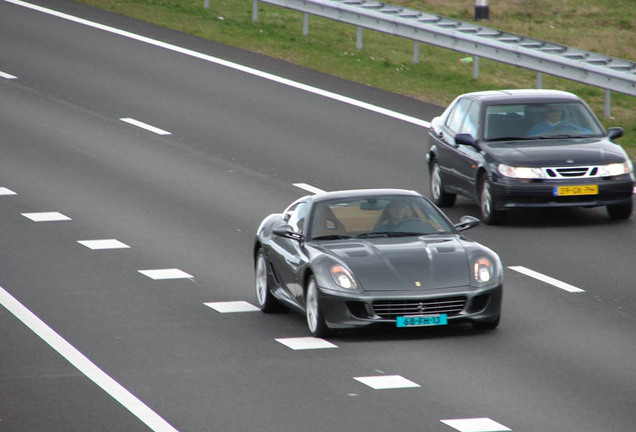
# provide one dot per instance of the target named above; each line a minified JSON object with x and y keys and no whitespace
{"x":615,"y":169}
{"x":343,"y":277}
{"x":483,"y":270}
{"x":520,"y":172}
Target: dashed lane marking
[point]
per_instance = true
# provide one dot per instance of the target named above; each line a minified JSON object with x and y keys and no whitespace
{"x":103,"y":244}
{"x":7,"y":76}
{"x":475,"y":425}
{"x":308,"y":188}
{"x":171,"y":273}
{"x":306,"y":343}
{"x":115,"y":390}
{"x":5,"y":191}
{"x":46,"y":216}
{"x":384,"y":382}
{"x":232,"y":306}
{"x":547,"y":279}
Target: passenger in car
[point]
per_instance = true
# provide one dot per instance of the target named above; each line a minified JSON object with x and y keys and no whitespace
{"x":395,"y":212}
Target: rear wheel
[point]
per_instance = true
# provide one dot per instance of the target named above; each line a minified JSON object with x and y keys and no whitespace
{"x":440,"y":197}
{"x":620,"y":211}
{"x":315,"y":319}
{"x":264,"y":297}
{"x":489,"y":214}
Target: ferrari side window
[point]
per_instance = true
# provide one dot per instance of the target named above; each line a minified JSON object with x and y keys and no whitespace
{"x":298,"y":216}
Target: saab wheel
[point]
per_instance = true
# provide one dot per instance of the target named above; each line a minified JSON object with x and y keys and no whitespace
{"x":486,"y":325}
{"x":264,"y":297}
{"x":619,"y":212}
{"x":315,"y":319}
{"x":489,"y":214}
{"x":440,"y":198}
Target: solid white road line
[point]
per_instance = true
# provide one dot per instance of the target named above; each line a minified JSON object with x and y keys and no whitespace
{"x":308,"y":188}
{"x":547,"y":279}
{"x":228,"y":64}
{"x":145,"y":126}
{"x":7,"y":76}
{"x":84,"y":365}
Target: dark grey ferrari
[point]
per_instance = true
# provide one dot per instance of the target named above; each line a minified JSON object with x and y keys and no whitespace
{"x":356,"y":258}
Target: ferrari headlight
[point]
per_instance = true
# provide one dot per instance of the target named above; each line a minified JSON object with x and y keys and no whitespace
{"x":615,"y":169}
{"x":483,"y":270}
{"x":520,"y":172}
{"x":343,"y":277}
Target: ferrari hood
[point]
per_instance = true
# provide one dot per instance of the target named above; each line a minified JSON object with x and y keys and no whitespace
{"x":413,"y":263}
{"x":588,"y":151}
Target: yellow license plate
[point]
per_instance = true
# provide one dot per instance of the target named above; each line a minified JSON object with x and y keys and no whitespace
{"x":576,"y":190}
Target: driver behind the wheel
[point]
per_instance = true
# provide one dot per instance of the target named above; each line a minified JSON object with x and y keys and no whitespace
{"x":551,"y":122}
{"x":395,"y":212}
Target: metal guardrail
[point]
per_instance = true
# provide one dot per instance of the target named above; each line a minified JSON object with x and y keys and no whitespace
{"x":611,"y":74}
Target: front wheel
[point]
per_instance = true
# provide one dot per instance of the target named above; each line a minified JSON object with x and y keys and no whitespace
{"x":315,"y":319}
{"x":620,"y":211}
{"x":264,"y":297}
{"x":489,"y":214}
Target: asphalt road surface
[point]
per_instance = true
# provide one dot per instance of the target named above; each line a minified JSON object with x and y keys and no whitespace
{"x":137,"y":163}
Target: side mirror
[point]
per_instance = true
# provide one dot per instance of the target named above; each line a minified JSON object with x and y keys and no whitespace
{"x":466,"y":222}
{"x":615,"y":132}
{"x":466,"y":139}
{"x":286,"y":232}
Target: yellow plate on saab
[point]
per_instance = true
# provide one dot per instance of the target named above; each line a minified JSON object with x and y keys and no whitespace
{"x":575,"y":190}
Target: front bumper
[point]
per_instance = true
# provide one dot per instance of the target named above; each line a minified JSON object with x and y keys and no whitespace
{"x":513,"y":193}
{"x":343,"y":310}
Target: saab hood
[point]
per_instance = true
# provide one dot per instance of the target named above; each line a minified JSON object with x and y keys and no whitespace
{"x":412,"y":263}
{"x":562,"y":152}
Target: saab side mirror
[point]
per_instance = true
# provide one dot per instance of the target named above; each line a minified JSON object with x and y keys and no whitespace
{"x":466,"y":139}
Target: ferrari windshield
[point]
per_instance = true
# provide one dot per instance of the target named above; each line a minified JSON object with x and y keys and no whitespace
{"x":539,"y":121}
{"x":381,"y":216}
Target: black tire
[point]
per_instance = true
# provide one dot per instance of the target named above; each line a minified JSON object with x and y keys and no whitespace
{"x":266,"y":301}
{"x":438,"y":195}
{"x":620,"y":211}
{"x":486,"y":325}
{"x":315,"y":319}
{"x":489,"y":214}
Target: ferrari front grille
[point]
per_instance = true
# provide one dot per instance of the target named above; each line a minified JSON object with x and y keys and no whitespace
{"x":393,"y":308}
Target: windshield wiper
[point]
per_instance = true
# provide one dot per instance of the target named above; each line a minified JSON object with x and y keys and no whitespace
{"x":373,"y":235}
{"x":332,"y":237}
{"x":510,"y":138}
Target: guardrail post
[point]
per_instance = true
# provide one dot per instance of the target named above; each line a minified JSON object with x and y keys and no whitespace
{"x":416,"y":52}
{"x":608,"y":104}
{"x":254,"y":10}
{"x":475,"y":67}
{"x":305,"y":24}
{"x":481,"y":10}
{"x":206,"y":4}
{"x":539,"y":80}
{"x":359,"y":38}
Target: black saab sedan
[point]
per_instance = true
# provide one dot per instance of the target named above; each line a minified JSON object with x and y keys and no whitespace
{"x":527,"y":148}
{"x":356,"y":258}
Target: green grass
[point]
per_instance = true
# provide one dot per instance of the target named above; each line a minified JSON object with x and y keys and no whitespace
{"x":603,"y":26}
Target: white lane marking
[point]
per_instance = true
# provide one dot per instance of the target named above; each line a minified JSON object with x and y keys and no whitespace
{"x":547,"y":279}
{"x":46,"y":216}
{"x":386,"y":382}
{"x":145,"y":126}
{"x":475,"y":425}
{"x":306,"y":343}
{"x":5,"y":191}
{"x":160,"y":274}
{"x":103,"y":244}
{"x":228,"y":64}
{"x":7,"y":76}
{"x":84,"y":365}
{"x":232,"y":306}
{"x":308,"y":188}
